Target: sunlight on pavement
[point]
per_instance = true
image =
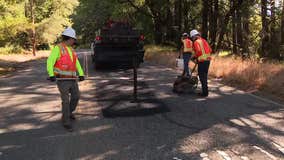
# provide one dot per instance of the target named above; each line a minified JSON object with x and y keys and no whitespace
{"x":204,"y":156}
{"x":23,"y":126}
{"x":224,"y":155}
{"x":280,"y":148}
{"x":3,"y":131}
{"x":10,"y":147}
{"x":101,"y":156}
{"x":96,"y":129}
{"x":244,"y":158}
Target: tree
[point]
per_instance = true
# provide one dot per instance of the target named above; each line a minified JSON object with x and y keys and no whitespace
{"x":33,"y":26}
{"x":234,"y":29}
{"x":13,"y":24}
{"x":265,"y":29}
{"x":282,"y":24}
{"x":205,"y":8}
{"x":213,"y":21}
{"x":224,"y":22}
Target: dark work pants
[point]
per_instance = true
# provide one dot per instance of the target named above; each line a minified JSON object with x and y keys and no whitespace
{"x":186,"y":57}
{"x":70,"y":95}
{"x":203,"y":68}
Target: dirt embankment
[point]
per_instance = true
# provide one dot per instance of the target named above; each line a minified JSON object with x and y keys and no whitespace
{"x":12,"y":62}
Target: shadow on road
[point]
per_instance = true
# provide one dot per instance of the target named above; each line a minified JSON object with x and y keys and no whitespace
{"x":183,"y":125}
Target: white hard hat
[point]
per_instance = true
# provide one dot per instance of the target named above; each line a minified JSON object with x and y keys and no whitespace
{"x":70,"y":32}
{"x":194,"y":33}
{"x":185,"y":34}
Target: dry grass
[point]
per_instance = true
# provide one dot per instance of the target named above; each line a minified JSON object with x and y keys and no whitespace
{"x":248,"y":75}
{"x":161,"y":55}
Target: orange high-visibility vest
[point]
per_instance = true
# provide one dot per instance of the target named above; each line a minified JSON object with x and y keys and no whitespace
{"x":202,"y":50}
{"x":187,"y":45}
{"x":65,"y":66}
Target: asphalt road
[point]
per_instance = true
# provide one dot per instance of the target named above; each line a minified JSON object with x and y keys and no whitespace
{"x":229,"y":124}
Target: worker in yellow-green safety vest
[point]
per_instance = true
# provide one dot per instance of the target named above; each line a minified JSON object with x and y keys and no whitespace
{"x":186,"y":52}
{"x":63,"y":63}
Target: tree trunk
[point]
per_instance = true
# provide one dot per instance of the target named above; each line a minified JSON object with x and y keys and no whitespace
{"x":239,"y":29}
{"x":157,"y":20}
{"x":185,"y":16}
{"x":246,"y":31}
{"x":282,"y":25}
{"x":33,"y":27}
{"x":282,"y":33}
{"x":214,"y":14}
{"x":274,"y":45}
{"x":224,"y":24}
{"x":169,"y":24}
{"x":177,"y":22}
{"x":177,"y":14}
{"x":204,"y":30}
{"x":265,"y":29}
{"x":234,"y":30}
{"x":157,"y":31}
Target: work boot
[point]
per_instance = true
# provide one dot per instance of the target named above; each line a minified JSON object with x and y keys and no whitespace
{"x":202,"y":95}
{"x":72,"y":116}
{"x":69,"y":128}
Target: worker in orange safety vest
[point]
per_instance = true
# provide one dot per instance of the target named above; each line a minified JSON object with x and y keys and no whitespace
{"x":202,"y":52}
{"x":186,"y":52}
{"x":63,"y":63}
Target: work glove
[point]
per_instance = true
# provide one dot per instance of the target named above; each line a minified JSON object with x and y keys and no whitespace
{"x":81,"y":78}
{"x":52,"y":78}
{"x":194,"y":59}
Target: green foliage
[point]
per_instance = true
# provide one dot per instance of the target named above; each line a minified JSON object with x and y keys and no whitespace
{"x":159,"y":20}
{"x":13,"y":24}
{"x":91,"y":15}
{"x":11,"y":50}
{"x":51,"y":17}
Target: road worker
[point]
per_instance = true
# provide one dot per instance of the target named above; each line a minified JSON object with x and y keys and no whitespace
{"x":63,"y":63}
{"x":202,"y":52}
{"x":186,"y":52}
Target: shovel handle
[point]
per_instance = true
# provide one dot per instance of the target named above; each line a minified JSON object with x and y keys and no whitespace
{"x":62,"y":79}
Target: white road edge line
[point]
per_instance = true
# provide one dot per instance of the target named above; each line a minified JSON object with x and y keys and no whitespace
{"x":204,"y":156}
{"x":244,"y":158}
{"x":265,"y":152}
{"x":238,"y":154}
{"x":280,"y":148}
{"x":224,"y":155}
{"x":265,"y":100}
{"x":252,"y":95}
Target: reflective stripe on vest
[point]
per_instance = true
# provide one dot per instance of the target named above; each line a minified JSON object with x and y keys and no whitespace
{"x":187,"y":45}
{"x":204,"y":56}
{"x":65,"y":66}
{"x":64,"y":73}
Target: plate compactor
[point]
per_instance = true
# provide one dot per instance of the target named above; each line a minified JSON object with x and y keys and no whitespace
{"x":186,"y":84}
